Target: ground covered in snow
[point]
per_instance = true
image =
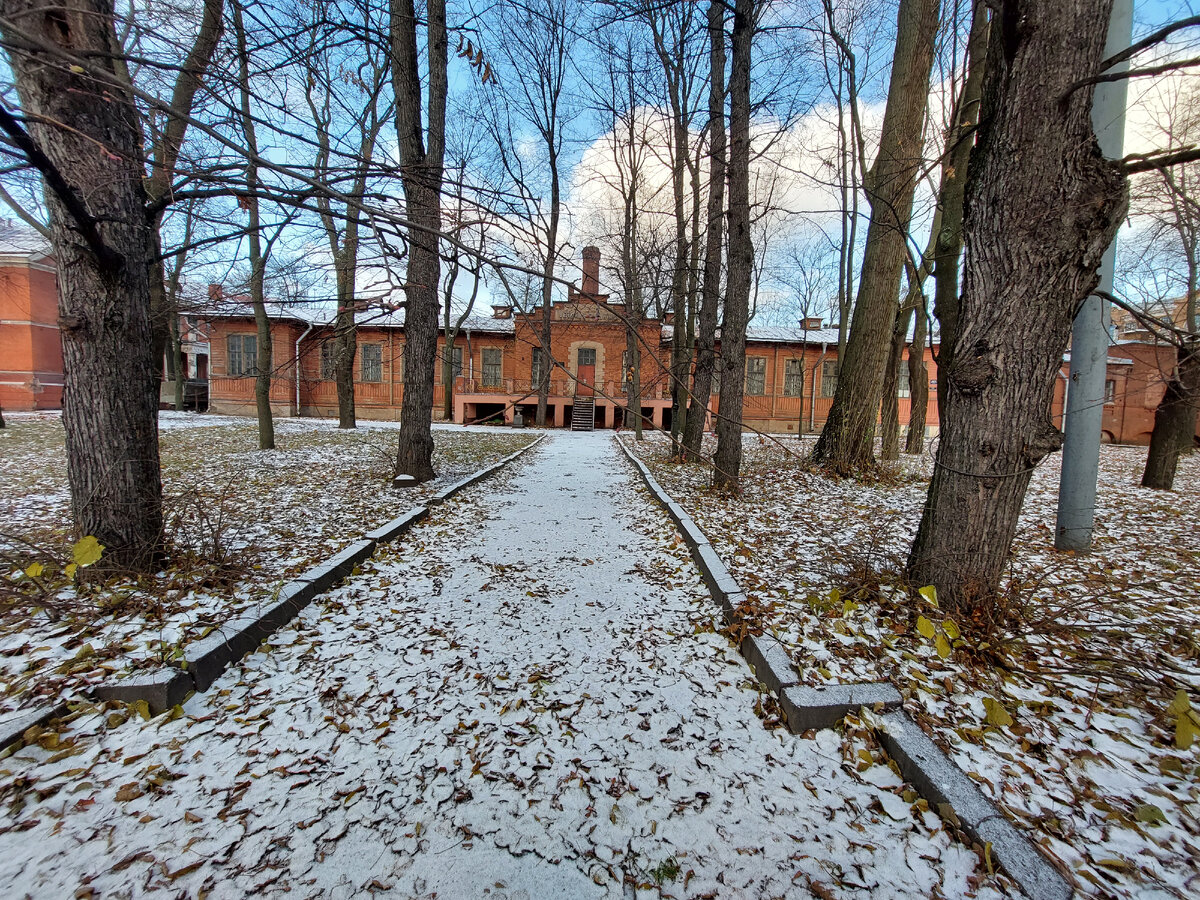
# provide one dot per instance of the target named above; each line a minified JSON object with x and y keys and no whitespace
{"x":523,"y":698}
{"x":1074,"y":718}
{"x":240,"y":522}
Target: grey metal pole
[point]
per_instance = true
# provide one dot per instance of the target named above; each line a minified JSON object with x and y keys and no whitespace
{"x":1089,"y":334}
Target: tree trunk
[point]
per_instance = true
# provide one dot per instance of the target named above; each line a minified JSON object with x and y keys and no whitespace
{"x":950,"y":195}
{"x":728,"y":460}
{"x":889,"y":449}
{"x":547,"y":291}
{"x":918,"y":383}
{"x":180,"y":376}
{"x":421,"y":174}
{"x":847,"y":441}
{"x":103,"y":249}
{"x":164,"y":157}
{"x":1174,"y":420}
{"x":1042,"y":205}
{"x":346,"y":346}
{"x":710,"y":300}
{"x":258,"y":262}
{"x":680,"y":361}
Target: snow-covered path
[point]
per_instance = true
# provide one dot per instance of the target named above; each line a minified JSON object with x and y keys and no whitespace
{"x":520,"y":699}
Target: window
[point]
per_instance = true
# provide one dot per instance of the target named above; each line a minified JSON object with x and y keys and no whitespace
{"x":1110,"y":392}
{"x":535,"y":370}
{"x":371,"y":360}
{"x":793,"y":378}
{"x":328,"y":361}
{"x":491,"y":366}
{"x":756,"y":376}
{"x":587,"y":356}
{"x":243,"y":355}
{"x":903,"y":388}
{"x":829,"y":378}
{"x":456,"y":360}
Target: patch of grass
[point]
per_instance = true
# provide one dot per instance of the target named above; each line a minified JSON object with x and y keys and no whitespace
{"x":667,"y":870}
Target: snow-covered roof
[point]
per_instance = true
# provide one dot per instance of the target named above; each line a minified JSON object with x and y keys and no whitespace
{"x":22,"y":242}
{"x":325,"y":314}
{"x":775,"y":335}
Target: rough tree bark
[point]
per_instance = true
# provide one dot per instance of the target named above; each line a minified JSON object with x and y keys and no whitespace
{"x":727,"y":462}
{"x":1174,"y":419}
{"x":710,"y":296}
{"x":959,"y":142}
{"x":889,"y":415}
{"x":422,"y":151}
{"x":1042,"y":205}
{"x":1174,"y":430}
{"x":918,"y":382}
{"x":848,"y":438}
{"x":90,"y":162}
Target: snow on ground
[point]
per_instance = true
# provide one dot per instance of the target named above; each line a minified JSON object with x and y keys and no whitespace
{"x":264,"y":515}
{"x":523,"y":698}
{"x":1088,"y":671}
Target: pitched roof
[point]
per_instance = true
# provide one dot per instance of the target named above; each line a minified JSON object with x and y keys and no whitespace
{"x":22,"y":242}
{"x":775,"y":335}
{"x":325,"y":315}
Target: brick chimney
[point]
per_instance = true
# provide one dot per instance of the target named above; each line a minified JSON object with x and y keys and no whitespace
{"x":591,"y":271}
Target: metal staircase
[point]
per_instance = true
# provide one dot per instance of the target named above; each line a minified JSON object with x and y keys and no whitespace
{"x":583,"y":414}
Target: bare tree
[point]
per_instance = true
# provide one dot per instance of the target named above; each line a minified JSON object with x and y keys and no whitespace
{"x":342,"y":86}
{"x":1170,"y":200}
{"x":847,"y":441}
{"x":727,"y":462}
{"x":422,"y":149}
{"x":1042,"y":205}
{"x":706,"y":334}
{"x":536,"y":45}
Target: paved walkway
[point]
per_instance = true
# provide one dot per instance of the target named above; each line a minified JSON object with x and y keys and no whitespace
{"x":520,"y":699}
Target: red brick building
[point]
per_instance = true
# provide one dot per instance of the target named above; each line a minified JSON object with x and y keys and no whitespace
{"x":31,"y":362}
{"x":791,"y":373}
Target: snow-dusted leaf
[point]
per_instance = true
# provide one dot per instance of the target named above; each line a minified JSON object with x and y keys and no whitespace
{"x":996,"y":714}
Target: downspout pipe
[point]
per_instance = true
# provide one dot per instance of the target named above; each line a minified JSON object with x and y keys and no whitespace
{"x":298,"y":340}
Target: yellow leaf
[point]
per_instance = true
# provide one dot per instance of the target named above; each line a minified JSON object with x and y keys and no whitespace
{"x":70,"y":570}
{"x":35,"y":570}
{"x":1113,"y":863}
{"x":835,"y":597}
{"x":848,"y":607}
{"x":86,"y":551}
{"x":942,"y":645}
{"x":997,"y":715}
{"x":1185,"y":732}
{"x":925,"y":627}
{"x":951,"y":630}
{"x":78,"y":70}
{"x":1150,"y":814}
{"x":929,"y":592}
{"x":1180,"y":704}
{"x":142,"y":708}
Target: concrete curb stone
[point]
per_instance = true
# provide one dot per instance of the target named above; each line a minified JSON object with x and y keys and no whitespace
{"x":160,"y":688}
{"x":770,"y":663}
{"x":398,"y":526}
{"x":944,"y":784}
{"x":935,"y":776}
{"x":204,"y":661}
{"x":807,"y":707}
{"x":13,"y":728}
